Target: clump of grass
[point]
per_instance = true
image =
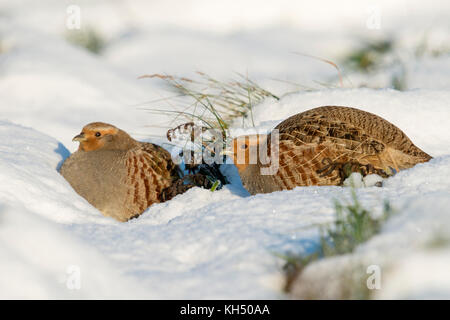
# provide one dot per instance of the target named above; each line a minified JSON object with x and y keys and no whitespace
{"x":216,"y":103}
{"x":438,"y":241}
{"x":353,"y":226}
{"x":293,"y":266}
{"x":375,"y":56}
{"x":398,"y":78}
{"x":425,"y":48}
{"x":384,"y":56}
{"x":86,"y":37}
{"x":213,"y":106}
{"x":370,"y":56}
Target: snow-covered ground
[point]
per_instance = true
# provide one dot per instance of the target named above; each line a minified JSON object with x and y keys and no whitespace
{"x":206,"y":244}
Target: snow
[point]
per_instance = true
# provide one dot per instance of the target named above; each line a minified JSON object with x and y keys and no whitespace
{"x":40,"y":260}
{"x":419,"y":230}
{"x":29,"y":160}
{"x":203,"y":244}
{"x":405,"y":284}
{"x":372,"y":180}
{"x":355,"y":180}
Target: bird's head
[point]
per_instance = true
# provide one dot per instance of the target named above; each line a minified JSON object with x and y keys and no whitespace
{"x":99,"y":135}
{"x":251,"y":156}
{"x":244,"y":150}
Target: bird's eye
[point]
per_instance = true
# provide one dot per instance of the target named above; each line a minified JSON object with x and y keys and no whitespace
{"x":243,"y":146}
{"x":98,"y":134}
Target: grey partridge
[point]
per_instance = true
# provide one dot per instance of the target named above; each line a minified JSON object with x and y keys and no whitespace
{"x":119,"y":175}
{"x":323,"y":146}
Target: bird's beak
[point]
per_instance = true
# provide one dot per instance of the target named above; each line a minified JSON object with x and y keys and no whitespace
{"x":79,"y":138}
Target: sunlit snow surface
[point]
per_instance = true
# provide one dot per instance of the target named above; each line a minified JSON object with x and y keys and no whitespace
{"x":202,"y":244}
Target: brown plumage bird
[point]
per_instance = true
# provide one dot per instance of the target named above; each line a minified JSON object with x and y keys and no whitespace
{"x":323,"y":146}
{"x":117,"y":174}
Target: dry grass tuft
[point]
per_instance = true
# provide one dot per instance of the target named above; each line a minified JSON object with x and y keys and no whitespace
{"x":216,"y":103}
{"x":353,"y":226}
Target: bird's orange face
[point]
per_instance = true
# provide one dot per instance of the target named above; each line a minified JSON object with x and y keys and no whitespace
{"x":245,"y":150}
{"x":95,"y":135}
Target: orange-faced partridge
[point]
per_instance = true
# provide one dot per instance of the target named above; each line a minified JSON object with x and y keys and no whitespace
{"x":117,"y":174}
{"x":323,"y":146}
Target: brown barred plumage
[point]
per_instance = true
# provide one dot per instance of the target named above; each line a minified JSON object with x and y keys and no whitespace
{"x":322,"y":146}
{"x":117,"y":174}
